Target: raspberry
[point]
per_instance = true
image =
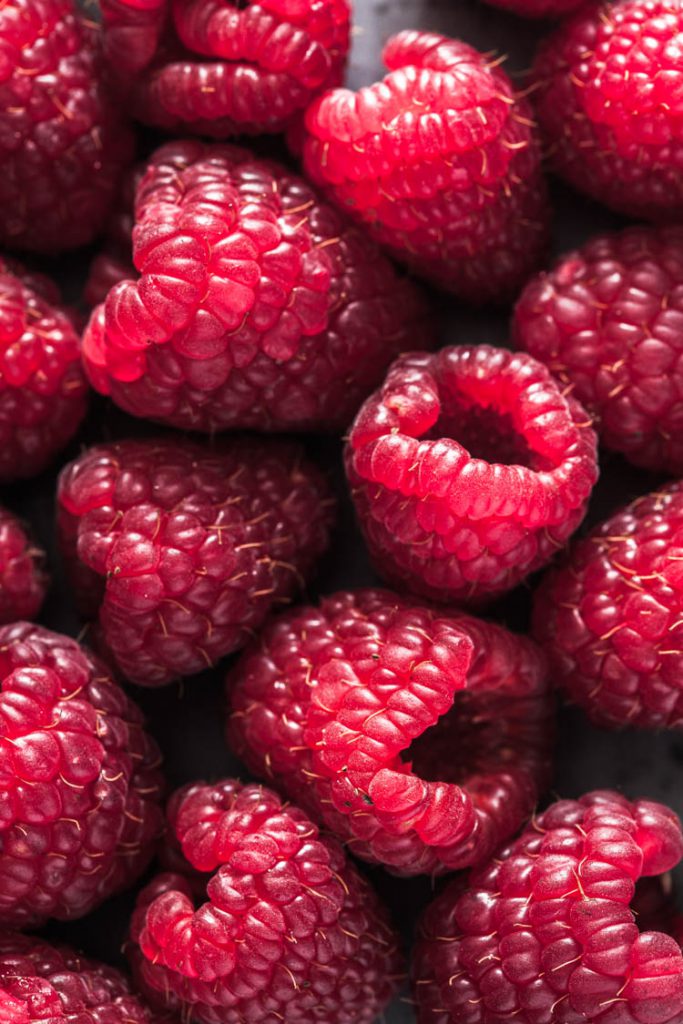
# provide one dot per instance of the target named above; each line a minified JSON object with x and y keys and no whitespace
{"x":606,"y":323}
{"x":63,"y":144}
{"x":469,"y":469}
{"x":537,"y":8}
{"x":258,"y":305}
{"x":610,"y":617}
{"x":440,"y":160}
{"x":545,"y":932}
{"x":23,"y":580}
{"x":357,"y":710}
{"x":79,"y":785}
{"x":286,"y":930}
{"x":608,"y":97}
{"x":186,"y":550}
{"x":225,"y":67}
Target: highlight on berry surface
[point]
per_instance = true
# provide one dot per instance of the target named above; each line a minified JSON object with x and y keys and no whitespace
{"x":23,"y":579}
{"x":419,"y":736}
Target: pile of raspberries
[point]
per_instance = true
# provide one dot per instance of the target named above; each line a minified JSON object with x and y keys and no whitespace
{"x":269,"y":455}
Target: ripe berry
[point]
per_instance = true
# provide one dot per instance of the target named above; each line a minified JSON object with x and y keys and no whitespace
{"x":610,"y":616}
{"x":79,"y":780}
{"x":257,"y":304}
{"x":23,"y":580}
{"x":608,"y":98}
{"x":182,"y":551}
{"x":469,"y":469}
{"x":545,"y":931}
{"x":229,"y":68}
{"x":440,"y":160}
{"x":269,"y":922}
{"x":356,"y":709}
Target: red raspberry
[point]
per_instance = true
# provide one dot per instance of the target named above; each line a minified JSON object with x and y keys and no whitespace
{"x":62,"y":142}
{"x":23,"y":580}
{"x":43,"y":392}
{"x":611,"y":616}
{"x":258,"y":305}
{"x":545,"y":932}
{"x":537,"y":8}
{"x":285,"y":928}
{"x":609,"y":99}
{"x":440,"y":160}
{"x":356,"y":710}
{"x":225,"y":67}
{"x":79,"y":785}
{"x":186,"y":550}
{"x":469,"y":469}
{"x":606,"y":321}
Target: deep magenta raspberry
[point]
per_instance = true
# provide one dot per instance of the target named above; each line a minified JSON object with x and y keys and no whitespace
{"x":23,"y":579}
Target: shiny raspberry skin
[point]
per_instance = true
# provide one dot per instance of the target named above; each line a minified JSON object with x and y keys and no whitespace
{"x":610,"y":616}
{"x":440,"y":161}
{"x":608,"y":99}
{"x":607,"y":323}
{"x":79,"y":780}
{"x":537,"y":8}
{"x":356,"y":709}
{"x":186,"y":550}
{"x":43,"y":391}
{"x":23,"y":580}
{"x":63,"y":144}
{"x":264,"y":307}
{"x":271,"y":923}
{"x":225,"y":67}
{"x":469,"y":469}
{"x":545,"y":932}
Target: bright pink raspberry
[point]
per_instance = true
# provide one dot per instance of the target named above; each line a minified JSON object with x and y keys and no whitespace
{"x":607,"y":323}
{"x":269,"y":922}
{"x":63,"y":144}
{"x":257,"y":305}
{"x":23,"y":580}
{"x":469,"y":469}
{"x":609,"y":99}
{"x":182,"y":551}
{"x":420,"y":737}
{"x":611,"y":616}
{"x":545,"y":932}
{"x":225,"y":67}
{"x":43,"y":391}
{"x":79,"y":780}
{"x":537,"y":8}
{"x":440,"y":160}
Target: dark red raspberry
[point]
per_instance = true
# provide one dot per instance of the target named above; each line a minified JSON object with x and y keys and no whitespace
{"x":258,"y":305}
{"x":469,"y":469}
{"x":43,"y":391}
{"x":79,"y":780}
{"x":23,"y":580}
{"x":545,"y":932}
{"x":608,"y":94}
{"x":273,"y":925}
{"x":63,"y":144}
{"x":225,"y":67}
{"x":356,"y":709}
{"x":611,"y":616}
{"x":537,"y":8}
{"x":186,"y":550}
{"x":607,"y":323}
{"x":440,"y":160}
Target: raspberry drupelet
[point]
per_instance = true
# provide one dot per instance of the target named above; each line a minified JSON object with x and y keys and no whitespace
{"x":606,"y":320}
{"x":23,"y":580}
{"x":469,"y":469}
{"x":608,"y":88}
{"x":269,"y":923}
{"x":545,"y":931}
{"x":440,"y":161}
{"x":225,"y":67}
{"x":611,"y":616}
{"x":257,"y":306}
{"x":182,"y":551}
{"x":63,"y":145}
{"x":421,"y":737}
{"x":80,"y":788}
{"x":43,"y":390}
